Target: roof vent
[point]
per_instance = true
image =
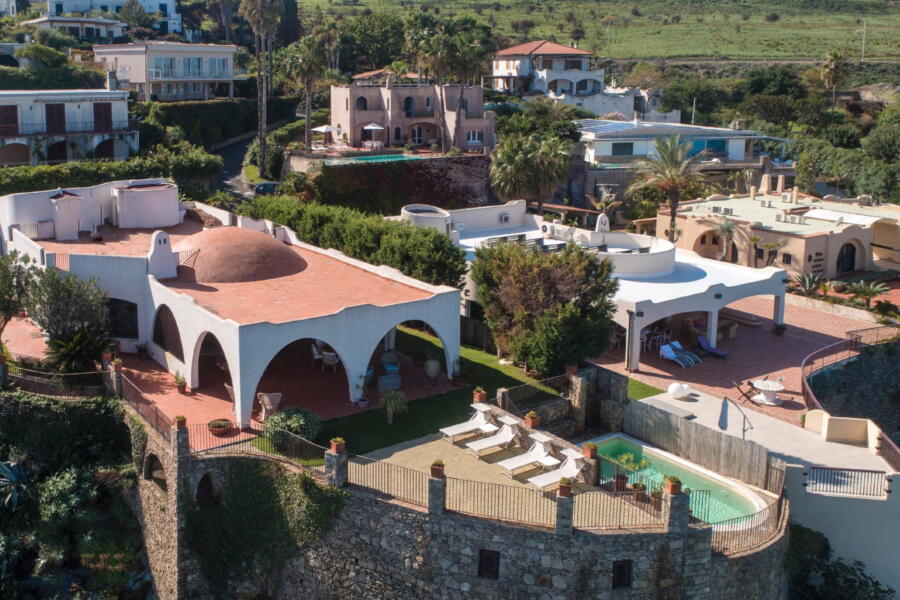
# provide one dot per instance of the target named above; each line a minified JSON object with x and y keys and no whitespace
{"x":717,"y":209}
{"x":728,"y":211}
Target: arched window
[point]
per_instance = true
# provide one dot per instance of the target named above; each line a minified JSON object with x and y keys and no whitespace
{"x":165,"y":333}
{"x":154,"y":471}
{"x":123,"y":318}
{"x":397,"y":135}
{"x":362,"y":104}
{"x":206,"y":493}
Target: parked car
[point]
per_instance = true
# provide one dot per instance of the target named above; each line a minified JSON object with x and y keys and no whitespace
{"x":266,"y":188}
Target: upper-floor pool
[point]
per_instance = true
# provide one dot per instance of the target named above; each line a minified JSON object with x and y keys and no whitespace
{"x":375,"y":158}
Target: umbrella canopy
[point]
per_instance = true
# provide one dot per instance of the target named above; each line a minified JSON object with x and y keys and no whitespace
{"x":325,"y":129}
{"x":374,"y":127}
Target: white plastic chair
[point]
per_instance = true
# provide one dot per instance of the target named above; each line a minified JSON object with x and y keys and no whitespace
{"x":330,"y":359}
{"x":316,"y":354}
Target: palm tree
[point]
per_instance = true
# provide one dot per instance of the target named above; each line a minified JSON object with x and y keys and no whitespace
{"x":833,"y":70}
{"x":755,"y":240}
{"x":867,"y":290}
{"x":772,"y":249}
{"x":306,"y":62}
{"x":467,"y":62}
{"x":226,"y":12}
{"x":671,"y":170}
{"x":725,"y":230}
{"x":263,"y":17}
{"x":398,"y":69}
{"x":808,"y":284}
{"x":529,"y":167}
{"x":606,"y":203}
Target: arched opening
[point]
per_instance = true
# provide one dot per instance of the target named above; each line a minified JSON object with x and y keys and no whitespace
{"x":165,"y":332}
{"x":8,"y":61}
{"x":123,"y":318}
{"x":846,"y":258}
{"x":588,"y":86}
{"x":206,"y":492}
{"x":362,"y":104}
{"x":398,"y":135}
{"x":309,"y":374}
{"x":560,"y":86}
{"x":105,"y":150}
{"x":734,"y":254}
{"x":154,"y":471}
{"x":708,"y":245}
{"x":15,"y":154}
{"x":409,"y":106}
{"x":58,"y":152}
{"x":213,"y":373}
{"x":422,"y":133}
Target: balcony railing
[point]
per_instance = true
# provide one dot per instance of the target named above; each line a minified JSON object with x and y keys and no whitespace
{"x":10,"y":130}
{"x":163,"y":74}
{"x":428,"y":112}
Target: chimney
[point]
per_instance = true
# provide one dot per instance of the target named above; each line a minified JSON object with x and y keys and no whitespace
{"x":112,"y":82}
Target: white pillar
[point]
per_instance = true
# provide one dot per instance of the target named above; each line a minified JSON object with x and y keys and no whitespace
{"x":712,"y":327}
{"x":231,"y":90}
{"x":633,"y":343}
{"x":778,"y":315}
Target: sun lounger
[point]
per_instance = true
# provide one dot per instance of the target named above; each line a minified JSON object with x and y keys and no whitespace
{"x":570,"y":468}
{"x":500,"y":439}
{"x":537,"y":455}
{"x":690,"y":356}
{"x":706,"y":347}
{"x":669,"y":353}
{"x":479,"y":422}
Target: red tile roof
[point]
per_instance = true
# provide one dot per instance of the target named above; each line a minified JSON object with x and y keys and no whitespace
{"x":379,"y":72}
{"x":541,"y":47}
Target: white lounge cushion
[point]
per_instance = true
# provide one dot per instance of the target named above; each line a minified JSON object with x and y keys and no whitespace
{"x":570,"y":468}
{"x":502,"y":437}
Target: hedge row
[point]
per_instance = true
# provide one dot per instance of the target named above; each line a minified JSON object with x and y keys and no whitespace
{"x":209,"y":122}
{"x":424,"y":254}
{"x":47,"y":78}
{"x":185,"y":164}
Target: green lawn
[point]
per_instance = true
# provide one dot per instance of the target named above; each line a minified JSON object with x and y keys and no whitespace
{"x":251,"y":174}
{"x":638,"y":389}
{"x":367,"y":431}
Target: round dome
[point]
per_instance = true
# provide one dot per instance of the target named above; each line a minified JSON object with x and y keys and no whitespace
{"x":233,"y":254}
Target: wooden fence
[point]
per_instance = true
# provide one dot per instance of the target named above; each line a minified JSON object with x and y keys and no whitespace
{"x":717,"y":451}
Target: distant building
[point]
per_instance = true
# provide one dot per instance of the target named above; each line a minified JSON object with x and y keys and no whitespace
{"x":168,"y":71}
{"x":56,"y":126}
{"x":829,"y":237}
{"x":90,"y":29}
{"x":8,"y":8}
{"x":166,"y":11}
{"x":564,"y":74}
{"x":8,"y":55}
{"x":420,"y":113}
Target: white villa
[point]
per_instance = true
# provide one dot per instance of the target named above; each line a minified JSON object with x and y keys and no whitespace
{"x":55,"y":126}
{"x":166,"y":11}
{"x":170,"y":71}
{"x":656,"y":280}
{"x":92,"y":29}
{"x":233,"y":296}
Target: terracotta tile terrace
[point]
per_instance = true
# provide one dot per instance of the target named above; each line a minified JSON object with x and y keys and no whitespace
{"x":120,"y":242}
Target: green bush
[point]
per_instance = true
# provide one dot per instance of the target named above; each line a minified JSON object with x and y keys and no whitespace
{"x":424,"y":254}
{"x":46,"y":78}
{"x":294,"y":420}
{"x":65,"y":495}
{"x":842,"y":136}
{"x":184,"y":163}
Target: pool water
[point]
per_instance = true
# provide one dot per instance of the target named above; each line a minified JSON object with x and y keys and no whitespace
{"x":370,"y":159}
{"x":724,"y":502}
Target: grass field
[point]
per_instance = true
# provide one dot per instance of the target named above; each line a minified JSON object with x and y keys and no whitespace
{"x":678,"y":29}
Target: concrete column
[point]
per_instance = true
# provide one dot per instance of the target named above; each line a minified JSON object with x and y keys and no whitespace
{"x":632,"y":344}
{"x":180,"y":443}
{"x":437,"y":488}
{"x":712,"y":327}
{"x":336,"y":468}
{"x":676,"y":513}
{"x":564,"y":510}
{"x":780,"y":185}
{"x":206,"y":91}
{"x":778,"y":314}
{"x":503,"y":398}
{"x":231,"y":90}
{"x":579,"y":400}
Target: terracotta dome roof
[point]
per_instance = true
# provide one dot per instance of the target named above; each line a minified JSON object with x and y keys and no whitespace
{"x":233,"y":254}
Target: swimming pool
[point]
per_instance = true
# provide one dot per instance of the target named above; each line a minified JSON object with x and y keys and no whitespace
{"x":727,"y":499}
{"x":371,"y":159}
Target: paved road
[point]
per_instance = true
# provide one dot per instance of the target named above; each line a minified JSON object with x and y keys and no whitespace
{"x":230,"y":179}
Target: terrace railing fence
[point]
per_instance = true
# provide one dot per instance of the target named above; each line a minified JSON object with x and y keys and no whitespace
{"x":744,"y":533}
{"x":60,"y":385}
{"x":530,"y":395}
{"x":846,"y":482}
{"x":154,"y":417}
{"x":617,"y":510}
{"x":388,"y":479}
{"x":500,"y":502}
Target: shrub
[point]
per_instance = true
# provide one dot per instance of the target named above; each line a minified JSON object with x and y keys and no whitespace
{"x":294,"y":420}
{"x":79,"y":353}
{"x":437,"y":463}
{"x":42,"y":55}
{"x":883,"y":143}
{"x":55,"y":38}
{"x":842,"y":135}
{"x":44,"y":78}
{"x":771,"y":17}
{"x":65,"y":495}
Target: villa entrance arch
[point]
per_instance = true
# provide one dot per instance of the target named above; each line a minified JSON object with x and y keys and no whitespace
{"x":58,"y":152}
{"x":209,"y":368}
{"x":847,"y":260}
{"x":166,"y":334}
{"x":422,"y":133}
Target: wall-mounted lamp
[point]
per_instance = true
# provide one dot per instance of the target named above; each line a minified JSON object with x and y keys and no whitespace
{"x":639,"y":313}
{"x":785,"y":281}
{"x":718,"y":296}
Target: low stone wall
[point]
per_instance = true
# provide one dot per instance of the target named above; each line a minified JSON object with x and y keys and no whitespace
{"x":607,"y":397}
{"x":833,"y":309}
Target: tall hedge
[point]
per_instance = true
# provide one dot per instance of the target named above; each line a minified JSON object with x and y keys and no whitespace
{"x":185,"y":164}
{"x":49,"y":78}
{"x":424,"y":254}
{"x":209,"y":122}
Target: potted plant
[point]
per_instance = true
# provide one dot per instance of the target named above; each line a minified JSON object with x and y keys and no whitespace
{"x":220,"y":426}
{"x":437,"y":468}
{"x":117,"y":364}
{"x":621,"y":482}
{"x":142,"y":352}
{"x":589,"y":450}
{"x":565,"y":488}
{"x":337,"y":445}
{"x":640,"y":491}
{"x":180,"y":421}
{"x":532,"y":420}
{"x":673,"y":485}
{"x":180,"y":383}
{"x":479,"y":395}
{"x":432,"y":367}
{"x":107,"y":355}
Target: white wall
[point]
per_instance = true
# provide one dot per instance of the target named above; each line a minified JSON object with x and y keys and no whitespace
{"x":144,"y":209}
{"x":736,"y":149}
{"x":488,"y":217}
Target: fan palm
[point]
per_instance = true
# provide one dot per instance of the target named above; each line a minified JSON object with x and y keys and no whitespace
{"x":606,"y":203}
{"x":833,"y":71}
{"x":529,"y":167}
{"x":772,"y":250}
{"x":306,"y":63}
{"x":755,"y":240}
{"x":867,"y":290}
{"x":671,"y":170}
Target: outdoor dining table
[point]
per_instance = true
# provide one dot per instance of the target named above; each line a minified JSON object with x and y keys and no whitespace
{"x":768,"y":392}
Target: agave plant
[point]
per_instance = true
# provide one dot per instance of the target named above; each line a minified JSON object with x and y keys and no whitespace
{"x":867,"y":290}
{"x":808,"y":283}
{"x":12,"y":484}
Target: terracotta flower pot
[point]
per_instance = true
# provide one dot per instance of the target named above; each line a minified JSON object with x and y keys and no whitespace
{"x":565,"y":490}
{"x":437,"y":471}
{"x":337,"y":447}
{"x":182,"y":388}
{"x":673,"y":488}
{"x":220,"y":427}
{"x":532,"y":422}
{"x":479,"y":396}
{"x":106,"y":356}
{"x":589,"y":451}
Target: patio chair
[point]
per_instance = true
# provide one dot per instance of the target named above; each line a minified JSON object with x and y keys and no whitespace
{"x":538,"y":454}
{"x":690,"y":356}
{"x":666,"y":351}
{"x":316,"y":353}
{"x":268,"y":404}
{"x":330,"y":359}
{"x":480,"y":421}
{"x":571,"y":468}
{"x":501,"y":439}
{"x":745,"y":394}
{"x":706,"y":347}
{"x":230,"y":391}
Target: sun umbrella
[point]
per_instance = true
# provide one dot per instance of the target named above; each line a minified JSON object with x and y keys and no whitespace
{"x":325,"y":129}
{"x":374,"y":127}
{"x":723,"y":415}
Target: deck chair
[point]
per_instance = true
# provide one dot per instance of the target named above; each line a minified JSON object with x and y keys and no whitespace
{"x":666,"y":351}
{"x":709,"y":349}
{"x":537,"y":453}
{"x":570,"y":468}
{"x":745,"y":394}
{"x":330,"y":359}
{"x":316,"y":353}
{"x":501,"y":439}
{"x":480,"y":421}
{"x":689,"y":356}
{"x":268,"y":404}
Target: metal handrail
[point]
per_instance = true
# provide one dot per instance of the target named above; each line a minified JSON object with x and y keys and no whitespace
{"x":60,"y":128}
